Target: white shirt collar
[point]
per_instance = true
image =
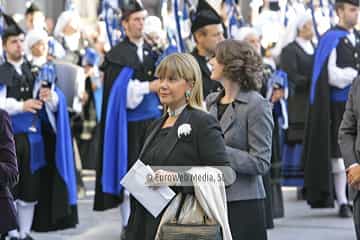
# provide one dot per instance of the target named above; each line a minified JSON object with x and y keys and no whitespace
{"x":305,"y":45}
{"x":39,"y":61}
{"x":351,"y":36}
{"x":17,"y":65}
{"x":140,"y":47}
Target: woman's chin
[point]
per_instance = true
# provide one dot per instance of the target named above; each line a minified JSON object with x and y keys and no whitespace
{"x":164,"y":101}
{"x":214,"y":78}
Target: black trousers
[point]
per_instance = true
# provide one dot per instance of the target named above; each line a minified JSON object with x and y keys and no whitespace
{"x":337,"y":111}
{"x":247,"y":219}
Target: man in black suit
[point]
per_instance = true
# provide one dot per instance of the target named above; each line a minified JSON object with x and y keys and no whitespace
{"x":208,"y":31}
{"x":349,"y":139}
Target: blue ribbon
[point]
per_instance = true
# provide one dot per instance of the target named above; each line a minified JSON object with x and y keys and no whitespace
{"x":98,"y":96}
{"x":112,"y":23}
{"x":91,"y":56}
{"x":178,"y":27}
{"x":314,"y":19}
{"x":235,"y":17}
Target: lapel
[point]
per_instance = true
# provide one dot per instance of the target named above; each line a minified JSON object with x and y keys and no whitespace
{"x":152,"y":134}
{"x":348,"y":43}
{"x":173,"y":134}
{"x":25,"y":68}
{"x":228,"y":118}
{"x":229,"y":115}
{"x":147,"y":61}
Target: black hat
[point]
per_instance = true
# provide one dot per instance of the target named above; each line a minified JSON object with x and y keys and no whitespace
{"x":352,"y":2}
{"x":11,"y":28}
{"x":32,"y":8}
{"x":129,"y":7}
{"x":204,"y":15}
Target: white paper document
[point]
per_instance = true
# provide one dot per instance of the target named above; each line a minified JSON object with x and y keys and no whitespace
{"x":154,"y":200}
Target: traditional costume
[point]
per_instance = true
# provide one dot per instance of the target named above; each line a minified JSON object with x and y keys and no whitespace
{"x":128,"y":108}
{"x":336,"y":64}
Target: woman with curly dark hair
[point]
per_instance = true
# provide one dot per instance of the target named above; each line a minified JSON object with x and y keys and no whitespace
{"x":247,"y":123}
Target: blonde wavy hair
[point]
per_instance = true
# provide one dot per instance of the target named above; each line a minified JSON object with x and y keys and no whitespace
{"x":184,"y":66}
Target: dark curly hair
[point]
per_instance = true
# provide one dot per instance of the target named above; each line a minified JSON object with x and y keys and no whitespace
{"x":242,"y":64}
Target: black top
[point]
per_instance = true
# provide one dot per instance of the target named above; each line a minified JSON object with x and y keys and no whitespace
{"x":204,"y":145}
{"x":157,"y":146}
{"x":348,"y":55}
{"x":221,"y":109}
{"x":18,"y":86}
{"x":209,"y":85}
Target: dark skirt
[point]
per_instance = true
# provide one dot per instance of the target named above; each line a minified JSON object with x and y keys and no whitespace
{"x":89,"y":149}
{"x":275,"y":174}
{"x":247,"y":219}
{"x":337,"y":110}
{"x":292,"y":167}
{"x":268,"y":202}
{"x":142,"y":225}
{"x":8,"y":219}
{"x":53,"y":211}
{"x":28,"y":186}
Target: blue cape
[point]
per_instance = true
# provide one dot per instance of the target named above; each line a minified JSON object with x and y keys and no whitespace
{"x":64,"y":154}
{"x":115,"y":152}
{"x":327,"y":43}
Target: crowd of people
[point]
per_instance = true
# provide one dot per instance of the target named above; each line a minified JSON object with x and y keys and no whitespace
{"x":269,"y":100}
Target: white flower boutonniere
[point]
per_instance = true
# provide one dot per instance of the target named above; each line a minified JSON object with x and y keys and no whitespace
{"x":184,"y":130}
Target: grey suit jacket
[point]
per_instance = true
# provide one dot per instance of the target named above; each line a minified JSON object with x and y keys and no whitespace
{"x":349,"y":136}
{"x":247,"y":125}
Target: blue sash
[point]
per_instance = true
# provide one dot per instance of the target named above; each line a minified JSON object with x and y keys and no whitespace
{"x":327,"y":43}
{"x":338,"y":94}
{"x":115,"y":151}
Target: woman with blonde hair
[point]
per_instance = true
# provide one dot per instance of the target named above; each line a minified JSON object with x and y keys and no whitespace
{"x":186,"y":135}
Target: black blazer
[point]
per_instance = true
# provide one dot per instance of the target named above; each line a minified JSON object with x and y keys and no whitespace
{"x":204,"y":146}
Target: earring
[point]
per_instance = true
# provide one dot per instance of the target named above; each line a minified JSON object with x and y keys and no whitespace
{"x":187,"y":94}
